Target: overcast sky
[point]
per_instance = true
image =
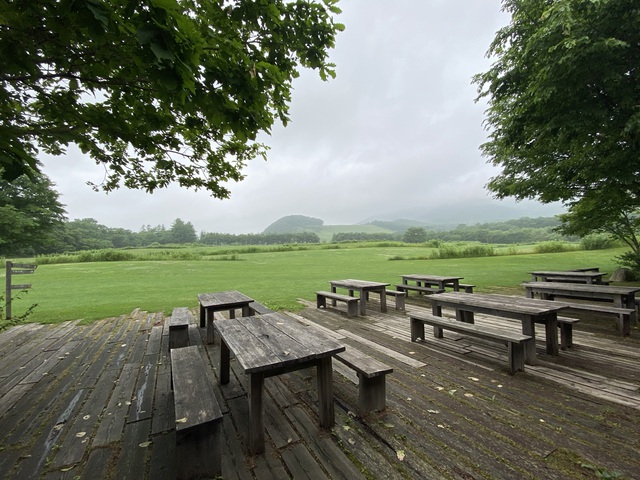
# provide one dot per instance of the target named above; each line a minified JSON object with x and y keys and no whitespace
{"x":395,"y":135}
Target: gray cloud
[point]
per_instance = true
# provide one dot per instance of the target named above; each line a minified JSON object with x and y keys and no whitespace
{"x":396,"y":133}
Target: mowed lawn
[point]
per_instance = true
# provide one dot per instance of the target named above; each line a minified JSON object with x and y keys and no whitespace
{"x":91,"y":291}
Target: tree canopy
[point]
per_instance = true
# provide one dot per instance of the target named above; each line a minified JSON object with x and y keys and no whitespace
{"x":156,"y":91}
{"x":564,"y":109}
{"x":564,"y":101}
{"x":31,"y":215}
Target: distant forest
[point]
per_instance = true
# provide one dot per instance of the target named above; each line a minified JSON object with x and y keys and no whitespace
{"x":88,"y":234}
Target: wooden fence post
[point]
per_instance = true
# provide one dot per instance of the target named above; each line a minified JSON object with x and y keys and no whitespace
{"x":15,"y":269}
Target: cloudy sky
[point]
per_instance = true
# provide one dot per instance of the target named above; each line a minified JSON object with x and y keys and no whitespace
{"x":395,"y":135}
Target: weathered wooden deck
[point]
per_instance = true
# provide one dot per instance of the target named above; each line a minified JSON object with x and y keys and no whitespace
{"x":94,"y":401}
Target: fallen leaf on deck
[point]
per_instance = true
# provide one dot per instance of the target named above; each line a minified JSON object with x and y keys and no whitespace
{"x":433,"y":411}
{"x":144,"y":444}
{"x":400,"y":455}
{"x":474,"y":379}
{"x":81,"y":434}
{"x":468,"y":394}
{"x":181,"y":420}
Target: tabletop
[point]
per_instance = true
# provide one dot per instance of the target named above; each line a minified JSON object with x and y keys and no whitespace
{"x":580,"y":276}
{"x":581,"y":287}
{"x":357,"y":284}
{"x":229,"y":298}
{"x":434,"y":278}
{"x":506,"y":303}
{"x":272,"y":341}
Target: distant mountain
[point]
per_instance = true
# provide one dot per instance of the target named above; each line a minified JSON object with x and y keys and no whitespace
{"x":399,"y":225}
{"x":455,"y":212}
{"x":294,"y":224}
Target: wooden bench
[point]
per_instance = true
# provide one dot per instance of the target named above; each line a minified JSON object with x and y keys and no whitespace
{"x":352,"y":302}
{"x":258,"y":309}
{"x":624,"y":316}
{"x":198,"y":416}
{"x":466,"y":287}
{"x":565,"y":324}
{"x":405,"y":288}
{"x":181,"y":317}
{"x":398,"y":295}
{"x":515,"y":341}
{"x":372,"y":385}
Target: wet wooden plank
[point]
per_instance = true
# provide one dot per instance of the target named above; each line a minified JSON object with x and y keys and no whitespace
{"x":135,"y":451}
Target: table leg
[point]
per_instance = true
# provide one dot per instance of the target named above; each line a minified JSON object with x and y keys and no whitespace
{"x":232,"y":313}
{"x":466,"y":316}
{"x":225,"y":357}
{"x":436,"y":309}
{"x":203,"y":317}
{"x":383,"y":300}
{"x":256,"y":413}
{"x":631,"y":303}
{"x":333,"y":302}
{"x":528,"y":328}
{"x":210,"y":330}
{"x":246,"y":311}
{"x":363,"y":302}
{"x":325,"y":392}
{"x":551,"y":333}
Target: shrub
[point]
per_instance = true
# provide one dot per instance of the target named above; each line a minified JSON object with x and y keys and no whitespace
{"x":630,"y":260}
{"x":596,"y":241}
{"x":468,"y":252}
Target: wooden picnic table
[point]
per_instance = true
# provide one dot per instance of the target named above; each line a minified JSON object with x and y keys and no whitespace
{"x":621,"y":296}
{"x":589,"y":277}
{"x":273,"y":344}
{"x":440,"y":281}
{"x":221,"y":301}
{"x":363,"y":287}
{"x":528,"y":311}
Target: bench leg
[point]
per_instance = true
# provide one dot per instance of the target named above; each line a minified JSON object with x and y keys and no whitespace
{"x":321,"y":301}
{"x":199,"y":451}
{"x":516,"y":357}
{"x":352,"y":309}
{"x":566,"y":335}
{"x":624,"y":324}
{"x":178,"y":336}
{"x":400,"y":301}
{"x":417,"y":330}
{"x":372,"y":394}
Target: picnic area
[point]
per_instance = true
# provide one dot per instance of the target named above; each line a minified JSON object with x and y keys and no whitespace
{"x":149,"y":395}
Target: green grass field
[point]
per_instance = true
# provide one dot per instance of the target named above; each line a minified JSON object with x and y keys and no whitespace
{"x":91,"y":291}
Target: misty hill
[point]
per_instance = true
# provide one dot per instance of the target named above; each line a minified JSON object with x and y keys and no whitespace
{"x":294,"y":224}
